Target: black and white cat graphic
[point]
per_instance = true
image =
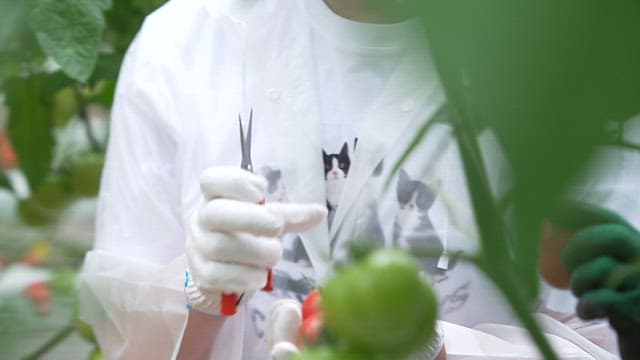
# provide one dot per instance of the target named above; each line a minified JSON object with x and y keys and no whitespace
{"x":412,"y":229}
{"x":336,"y":169}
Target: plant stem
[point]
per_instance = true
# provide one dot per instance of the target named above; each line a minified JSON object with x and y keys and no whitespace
{"x":514,"y":298}
{"x":84,"y":117}
{"x":57,"y":338}
{"x":495,"y":259}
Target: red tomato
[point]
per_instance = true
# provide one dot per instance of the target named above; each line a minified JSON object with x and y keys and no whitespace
{"x":311,"y":327}
{"x":311,"y":304}
{"x":8,"y":158}
{"x":40,"y":296}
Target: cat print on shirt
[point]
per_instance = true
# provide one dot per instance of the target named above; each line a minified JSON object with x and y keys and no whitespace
{"x":412,"y":228}
{"x":336,"y":169}
{"x":293,"y":250}
{"x":456,"y":300}
{"x":275,"y":186}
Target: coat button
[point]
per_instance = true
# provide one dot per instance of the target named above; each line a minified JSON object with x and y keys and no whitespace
{"x":273,"y":94}
{"x":408,"y":105}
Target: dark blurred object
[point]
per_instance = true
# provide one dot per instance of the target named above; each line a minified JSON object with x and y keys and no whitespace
{"x":603,"y":256}
{"x":547,"y":78}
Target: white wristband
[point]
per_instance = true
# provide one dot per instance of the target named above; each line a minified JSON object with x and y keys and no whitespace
{"x":196,"y":299}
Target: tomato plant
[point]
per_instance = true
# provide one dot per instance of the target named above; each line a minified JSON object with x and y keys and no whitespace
{"x":381,"y":304}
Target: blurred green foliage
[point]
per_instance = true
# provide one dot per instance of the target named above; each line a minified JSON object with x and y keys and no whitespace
{"x":59,"y":60}
{"x":546,"y":77}
{"x":57,"y":55}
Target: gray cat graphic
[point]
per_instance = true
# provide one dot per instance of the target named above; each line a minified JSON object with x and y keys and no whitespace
{"x":412,"y":229}
{"x":275,"y":186}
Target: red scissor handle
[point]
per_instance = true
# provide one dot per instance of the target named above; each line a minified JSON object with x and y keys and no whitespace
{"x":229,"y":301}
{"x":228,"y":305}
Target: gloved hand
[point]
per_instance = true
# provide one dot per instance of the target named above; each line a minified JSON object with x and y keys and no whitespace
{"x":233,"y":240}
{"x":282,"y":327}
{"x":604,"y":257}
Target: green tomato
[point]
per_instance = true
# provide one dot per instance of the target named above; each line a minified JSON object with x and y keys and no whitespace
{"x":33,"y":214}
{"x":329,"y":353}
{"x":65,"y":106}
{"x":85,"y":174}
{"x":54,"y":192}
{"x":46,"y":202}
{"x":381,"y":304}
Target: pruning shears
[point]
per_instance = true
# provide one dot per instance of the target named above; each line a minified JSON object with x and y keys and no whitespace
{"x":230,"y":301}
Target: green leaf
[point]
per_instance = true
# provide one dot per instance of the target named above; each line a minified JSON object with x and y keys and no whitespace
{"x":23,"y":329}
{"x":30,"y":126}
{"x":107,"y":68}
{"x":104,"y":4}
{"x":70,"y":32}
{"x":14,"y":14}
{"x":545,"y":76}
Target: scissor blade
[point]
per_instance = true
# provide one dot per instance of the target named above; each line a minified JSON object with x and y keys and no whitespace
{"x":245,"y":146}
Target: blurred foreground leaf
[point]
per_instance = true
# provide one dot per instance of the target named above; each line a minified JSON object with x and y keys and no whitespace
{"x":30,"y":126}
{"x":22,"y":328}
{"x":70,"y":32}
{"x":546,"y":77}
{"x":13,"y":14}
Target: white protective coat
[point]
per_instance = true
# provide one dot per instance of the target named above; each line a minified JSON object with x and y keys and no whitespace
{"x":196,"y":65}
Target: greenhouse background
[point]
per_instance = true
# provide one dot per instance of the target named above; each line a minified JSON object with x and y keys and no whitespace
{"x":59,"y":61}
{"x":57,"y":112}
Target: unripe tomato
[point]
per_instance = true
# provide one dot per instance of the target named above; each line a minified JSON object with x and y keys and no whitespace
{"x":46,"y":202}
{"x":54,"y":193}
{"x":381,"y":304}
{"x":329,"y":353}
{"x":85,"y":174}
{"x":31,"y":213}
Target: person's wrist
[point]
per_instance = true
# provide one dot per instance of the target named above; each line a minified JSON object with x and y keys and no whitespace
{"x":205,"y":302}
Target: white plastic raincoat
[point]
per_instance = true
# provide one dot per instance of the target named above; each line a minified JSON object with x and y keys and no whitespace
{"x":196,"y":65}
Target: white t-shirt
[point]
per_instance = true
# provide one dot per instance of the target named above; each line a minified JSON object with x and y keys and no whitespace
{"x":353,"y":63}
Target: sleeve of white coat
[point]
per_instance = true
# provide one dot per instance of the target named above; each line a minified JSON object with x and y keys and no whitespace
{"x":131,"y":284}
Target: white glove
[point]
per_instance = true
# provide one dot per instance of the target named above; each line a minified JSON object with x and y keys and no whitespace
{"x":233,"y":240}
{"x":282,"y":328}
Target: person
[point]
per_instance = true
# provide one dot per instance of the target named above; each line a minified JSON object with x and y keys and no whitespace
{"x":318,"y":99}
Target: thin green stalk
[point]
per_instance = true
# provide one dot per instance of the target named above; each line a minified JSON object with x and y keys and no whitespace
{"x":495,"y":258}
{"x":55,"y":340}
{"x":522,"y":311}
{"x":84,"y":117}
